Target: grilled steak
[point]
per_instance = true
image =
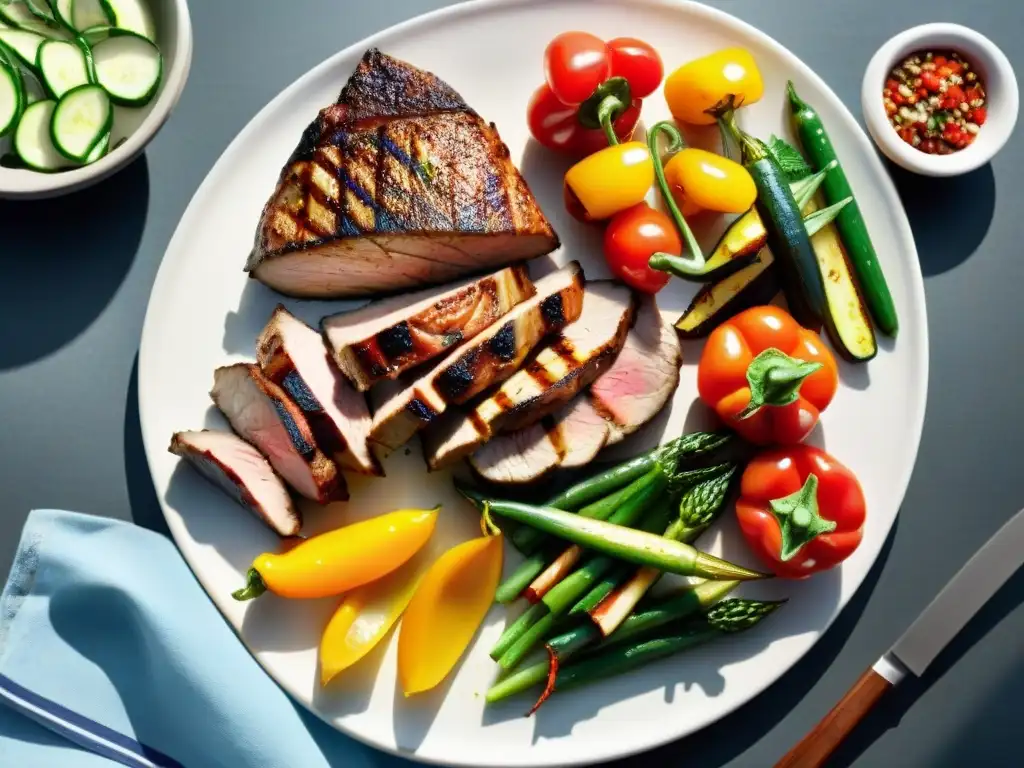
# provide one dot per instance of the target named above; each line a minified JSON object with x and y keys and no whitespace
{"x":398,"y":184}
{"x":263,"y":414}
{"x":383,"y":339}
{"x":561,"y":369}
{"x":490,"y":358}
{"x":293,"y":355}
{"x":629,"y":394}
{"x":240,"y":470}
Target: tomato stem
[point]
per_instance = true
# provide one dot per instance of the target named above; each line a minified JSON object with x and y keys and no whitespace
{"x":693,"y":265}
{"x":799,"y":519}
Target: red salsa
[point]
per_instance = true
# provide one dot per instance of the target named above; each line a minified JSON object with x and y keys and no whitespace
{"x":936,"y":102}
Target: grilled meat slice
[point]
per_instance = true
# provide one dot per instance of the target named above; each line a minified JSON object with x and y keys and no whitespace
{"x":263,"y":414}
{"x":490,"y":358}
{"x":384,"y":339}
{"x":644,"y":377}
{"x":581,"y":353}
{"x":398,"y":184}
{"x":629,"y":394}
{"x":293,"y":356}
{"x":240,"y":470}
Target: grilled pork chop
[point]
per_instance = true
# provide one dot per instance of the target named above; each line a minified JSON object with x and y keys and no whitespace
{"x":561,"y":369}
{"x":398,"y":184}
{"x":628,"y":395}
{"x":263,"y":414}
{"x":293,"y":355}
{"x":240,"y":470}
{"x":490,"y":358}
{"x":384,"y":339}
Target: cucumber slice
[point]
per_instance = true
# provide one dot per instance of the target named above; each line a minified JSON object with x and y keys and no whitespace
{"x":41,"y":10}
{"x":64,"y":13}
{"x":24,"y":43}
{"x":80,"y":121}
{"x":12,"y":98}
{"x":63,"y":66}
{"x":129,"y":67}
{"x":132,"y":15}
{"x":32,"y":140}
{"x":88,"y":13}
{"x":20,"y":16}
{"x":99,"y":151}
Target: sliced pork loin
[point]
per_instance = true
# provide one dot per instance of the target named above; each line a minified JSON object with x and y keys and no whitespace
{"x":240,"y":470}
{"x":554,"y":376}
{"x":489,"y":359}
{"x":399,"y":184}
{"x":384,"y":339}
{"x":293,"y":355}
{"x":263,"y":414}
{"x":628,"y":395}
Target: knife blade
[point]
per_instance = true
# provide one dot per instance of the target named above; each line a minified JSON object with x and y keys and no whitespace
{"x":965,"y":594}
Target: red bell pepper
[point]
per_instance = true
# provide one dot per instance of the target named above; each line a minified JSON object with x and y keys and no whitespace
{"x":766,"y":376}
{"x":800,"y":510}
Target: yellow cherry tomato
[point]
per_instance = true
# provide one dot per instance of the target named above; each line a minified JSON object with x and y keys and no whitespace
{"x":343,"y":559}
{"x":611,"y":180}
{"x":705,"y":181}
{"x":446,"y":612}
{"x":703,"y":84}
{"x":366,"y":615}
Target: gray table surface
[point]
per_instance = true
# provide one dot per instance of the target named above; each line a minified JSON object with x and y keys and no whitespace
{"x":77,"y":274}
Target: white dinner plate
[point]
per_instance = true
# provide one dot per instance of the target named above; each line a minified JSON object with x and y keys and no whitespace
{"x":205,"y":312}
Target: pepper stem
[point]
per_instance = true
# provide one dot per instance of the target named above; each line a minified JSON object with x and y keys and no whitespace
{"x":752,"y":149}
{"x":666,"y":262}
{"x":486,"y":523}
{"x":799,"y":519}
{"x":254,"y":587}
{"x":774,"y":379}
{"x":608,"y":111}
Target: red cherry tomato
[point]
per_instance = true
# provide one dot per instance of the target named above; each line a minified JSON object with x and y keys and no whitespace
{"x":556,"y":126}
{"x":575,"y":63}
{"x":632,"y":236}
{"x":638,"y":62}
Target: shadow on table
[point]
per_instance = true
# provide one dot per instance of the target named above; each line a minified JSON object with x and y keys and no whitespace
{"x":79,"y":248}
{"x":950,"y":217}
{"x":145,"y":506}
{"x":728,"y":738}
{"x":890,"y":710}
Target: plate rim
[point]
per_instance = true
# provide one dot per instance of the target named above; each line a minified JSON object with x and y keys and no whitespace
{"x":468,"y":8}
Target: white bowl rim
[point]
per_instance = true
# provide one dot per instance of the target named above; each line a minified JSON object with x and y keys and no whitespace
{"x":34,"y":184}
{"x":1002,"y":112}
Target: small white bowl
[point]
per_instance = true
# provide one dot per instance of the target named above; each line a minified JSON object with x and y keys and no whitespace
{"x":174,"y":37}
{"x":1001,"y":94}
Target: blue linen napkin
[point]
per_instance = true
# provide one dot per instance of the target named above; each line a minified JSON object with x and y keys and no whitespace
{"x":111,"y":653}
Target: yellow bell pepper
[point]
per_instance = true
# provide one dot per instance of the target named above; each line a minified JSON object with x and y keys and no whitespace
{"x":366,"y":615}
{"x":611,"y":180}
{"x":705,"y":83}
{"x":701,"y":180}
{"x":343,"y":559}
{"x":446,"y":611}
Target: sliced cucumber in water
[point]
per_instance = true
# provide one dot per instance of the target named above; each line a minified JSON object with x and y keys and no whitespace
{"x":63,"y":66}
{"x":129,"y":67}
{"x":32,"y":139}
{"x":80,"y":121}
{"x":88,"y":13}
{"x":12,"y":98}
{"x":24,"y":43}
{"x":132,"y":15}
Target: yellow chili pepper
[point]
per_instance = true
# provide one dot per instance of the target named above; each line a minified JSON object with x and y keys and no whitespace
{"x":446,"y":612}
{"x":366,"y":615}
{"x":611,"y":180}
{"x":701,"y":180}
{"x":343,"y":559}
{"x":705,"y":83}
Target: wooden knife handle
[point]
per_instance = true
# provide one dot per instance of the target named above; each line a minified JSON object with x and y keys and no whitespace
{"x":818,"y":745}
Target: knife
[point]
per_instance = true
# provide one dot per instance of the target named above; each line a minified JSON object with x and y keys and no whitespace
{"x":942,"y":620}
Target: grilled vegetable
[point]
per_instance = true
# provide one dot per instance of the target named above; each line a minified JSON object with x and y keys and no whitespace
{"x":696,"y":88}
{"x":847,"y":321}
{"x":787,"y":236}
{"x":342,"y":559}
{"x":766,"y":376}
{"x":816,"y":144}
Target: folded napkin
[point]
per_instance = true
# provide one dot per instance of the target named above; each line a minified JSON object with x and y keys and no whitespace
{"x":111,"y":653}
